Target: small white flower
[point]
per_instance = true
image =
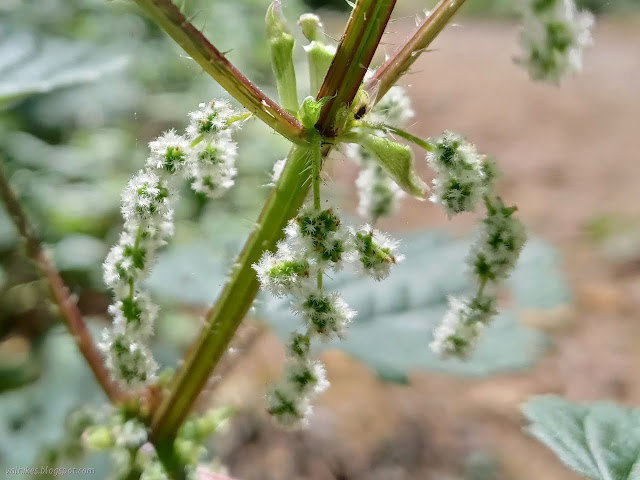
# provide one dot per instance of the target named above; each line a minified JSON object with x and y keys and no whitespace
{"x":134,"y":315}
{"x":319,"y":236}
{"x":287,"y":406}
{"x":379,"y":195}
{"x":393,"y":109}
{"x":307,"y":376}
{"x":213,"y":166}
{"x":169,"y":153}
{"x":461,"y":179}
{"x":145,"y":200}
{"x":131,"y":435}
{"x":130,"y":361}
{"x":283,"y":273}
{"x":376,"y":252}
{"x":324,"y":312}
{"x":553,"y":37}
{"x":455,"y":337}
{"x":209,"y":120}
{"x":496,"y":251}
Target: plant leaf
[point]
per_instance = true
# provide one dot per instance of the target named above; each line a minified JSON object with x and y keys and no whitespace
{"x":397,"y":160}
{"x":599,"y":440}
{"x":31,"y":65}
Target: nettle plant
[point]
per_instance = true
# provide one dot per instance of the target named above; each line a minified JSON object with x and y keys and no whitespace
{"x":300,"y":236}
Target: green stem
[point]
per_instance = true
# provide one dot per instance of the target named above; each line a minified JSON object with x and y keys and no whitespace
{"x":400,"y":61}
{"x":170,"y":19}
{"x":355,"y":51}
{"x":316,"y":159}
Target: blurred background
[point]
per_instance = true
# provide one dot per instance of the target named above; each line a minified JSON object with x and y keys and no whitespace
{"x":85,"y":84}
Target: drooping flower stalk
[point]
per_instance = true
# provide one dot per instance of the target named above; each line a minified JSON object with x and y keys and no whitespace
{"x":207,"y":155}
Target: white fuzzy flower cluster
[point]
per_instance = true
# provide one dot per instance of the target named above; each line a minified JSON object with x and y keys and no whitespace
{"x":463,"y":177}
{"x":205,"y":154}
{"x":553,"y":36}
{"x":213,"y":157}
{"x":393,"y":109}
{"x":315,"y":241}
{"x":379,"y":195}
{"x":493,"y":256}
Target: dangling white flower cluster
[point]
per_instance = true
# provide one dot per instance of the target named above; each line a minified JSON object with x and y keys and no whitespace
{"x":379,"y":195}
{"x":316,"y":240}
{"x":553,"y":36}
{"x":205,"y":154}
{"x":463,"y":178}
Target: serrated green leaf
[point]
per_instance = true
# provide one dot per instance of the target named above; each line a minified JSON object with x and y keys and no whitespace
{"x":599,"y":440}
{"x":31,"y":65}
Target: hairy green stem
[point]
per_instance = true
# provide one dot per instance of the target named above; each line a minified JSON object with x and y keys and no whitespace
{"x":400,"y":61}
{"x":316,"y":161}
{"x":360,"y":40}
{"x":171,"y":20}
{"x":357,"y":46}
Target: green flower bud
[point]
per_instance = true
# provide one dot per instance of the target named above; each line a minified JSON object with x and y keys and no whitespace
{"x":281,"y":43}
{"x":319,"y":57}
{"x":99,"y":438}
{"x":311,"y":26}
{"x":310,"y":109}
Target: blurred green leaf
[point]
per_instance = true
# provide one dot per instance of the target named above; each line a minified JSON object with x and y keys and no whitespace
{"x":32,"y":65}
{"x":598,"y":440}
{"x":79,"y":252}
{"x":32,"y":416}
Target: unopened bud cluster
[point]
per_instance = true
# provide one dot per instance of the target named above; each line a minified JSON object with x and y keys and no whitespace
{"x":463,"y":179}
{"x":126,"y":438}
{"x":315,"y":241}
{"x":379,"y":195}
{"x":553,"y":37}
{"x":206,"y":154}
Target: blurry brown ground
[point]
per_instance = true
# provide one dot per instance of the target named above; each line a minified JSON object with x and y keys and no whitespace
{"x":569,"y":155}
